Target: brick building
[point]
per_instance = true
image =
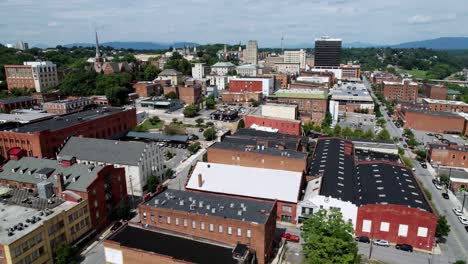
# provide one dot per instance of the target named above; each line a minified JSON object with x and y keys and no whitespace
{"x":451,"y":155}
{"x":12,"y":103}
{"x":147,"y":89}
{"x":186,"y":94}
{"x":241,"y":85}
{"x":350,"y":71}
{"x":44,"y":138}
{"x":312,"y":104}
{"x":244,"y":97}
{"x":216,"y":218}
{"x":438,"y":122}
{"x":327,"y":77}
{"x":62,"y":107}
{"x":445,"y":105}
{"x":248,"y":154}
{"x":277,"y":117}
{"x":402,"y":91}
{"x":434,"y":91}
{"x":46,"y":97}
{"x":38,"y":75}
{"x":102,"y":186}
{"x":242,"y":182}
{"x":380,"y":77}
{"x":284,"y":79}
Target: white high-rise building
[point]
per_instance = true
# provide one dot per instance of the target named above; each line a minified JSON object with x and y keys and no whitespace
{"x":21,"y":45}
{"x":44,"y":74}
{"x":251,"y":53}
{"x":200,"y":70}
{"x":295,"y":56}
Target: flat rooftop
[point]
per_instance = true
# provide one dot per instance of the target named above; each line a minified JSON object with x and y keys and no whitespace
{"x":456,"y":174}
{"x":24,"y":117}
{"x":157,"y":136}
{"x":239,"y":146}
{"x":369,"y":155}
{"x":64,"y":121}
{"x":179,"y":248}
{"x":351,"y":95}
{"x":14,"y":211}
{"x":434,"y":113}
{"x":213,"y":205}
{"x":448,"y":147}
{"x":19,"y":99}
{"x":434,"y":101}
{"x":300,"y":93}
{"x":246,"y":181}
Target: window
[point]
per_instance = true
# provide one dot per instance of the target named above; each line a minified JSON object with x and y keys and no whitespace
{"x":403,"y":230}
{"x":194,"y":224}
{"x":239,"y":232}
{"x":229,"y":230}
{"x":152,"y":217}
{"x":384,"y":226}
{"x":168,"y":220}
{"x":366,"y":225}
{"x":185,"y":222}
{"x":160,"y":218}
{"x":220,"y":228}
{"x":176,"y":221}
{"x":249,"y":233}
{"x":286,"y":208}
{"x":202,"y":225}
{"x":422,"y":231}
{"x":211,"y":227}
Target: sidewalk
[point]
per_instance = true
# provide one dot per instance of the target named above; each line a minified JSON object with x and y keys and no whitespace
{"x":452,"y":196}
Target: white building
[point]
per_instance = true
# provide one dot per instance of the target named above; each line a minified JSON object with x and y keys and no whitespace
{"x":200,"y":70}
{"x":251,"y":52}
{"x":44,"y":74}
{"x":221,"y":82}
{"x":295,"y":56}
{"x":287,"y":68}
{"x":336,"y":71}
{"x":222,"y":68}
{"x":248,"y":70}
{"x":140,"y":160}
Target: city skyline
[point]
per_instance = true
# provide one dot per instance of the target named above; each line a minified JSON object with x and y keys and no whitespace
{"x":205,"y":21}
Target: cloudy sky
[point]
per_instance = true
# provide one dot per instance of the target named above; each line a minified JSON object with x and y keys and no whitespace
{"x":55,"y":22}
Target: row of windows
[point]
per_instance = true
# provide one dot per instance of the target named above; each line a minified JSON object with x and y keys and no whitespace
{"x":77,"y":214}
{"x":27,"y":245}
{"x":56,"y":227}
{"x":201,"y":225}
{"x":80,"y":225}
{"x":385,"y":227}
{"x":32,"y":257}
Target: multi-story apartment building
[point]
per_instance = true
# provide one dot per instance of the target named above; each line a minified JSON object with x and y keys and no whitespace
{"x":248,"y":70}
{"x":102,"y":187}
{"x":402,"y":91}
{"x":350,"y":71}
{"x":222,"y":68}
{"x":251,"y":52}
{"x":40,"y":75}
{"x":200,"y":70}
{"x":450,"y":155}
{"x":216,"y":218}
{"x":140,"y":160}
{"x":32,"y":231}
{"x":287,"y":67}
{"x":67,"y":106}
{"x":445,"y":105}
{"x":295,"y":56}
{"x":434,"y":91}
{"x":44,"y":138}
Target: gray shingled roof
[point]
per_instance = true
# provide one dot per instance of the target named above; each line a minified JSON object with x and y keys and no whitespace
{"x":169,"y":72}
{"x":104,"y":150}
{"x":28,"y":170}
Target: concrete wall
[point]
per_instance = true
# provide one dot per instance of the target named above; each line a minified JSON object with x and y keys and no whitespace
{"x":280,"y":111}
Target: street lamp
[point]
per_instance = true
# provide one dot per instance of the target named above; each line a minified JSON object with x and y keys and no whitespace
{"x":463,"y":204}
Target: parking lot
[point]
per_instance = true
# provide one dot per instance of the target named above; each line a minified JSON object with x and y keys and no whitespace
{"x":424,"y":138}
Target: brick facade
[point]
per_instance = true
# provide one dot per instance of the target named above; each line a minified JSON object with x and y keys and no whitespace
{"x":260,"y":240}
{"x":190,"y":94}
{"x":133,"y":255}
{"x":8,"y":104}
{"x":19,"y":76}
{"x":435,"y":122}
{"x":445,"y":106}
{"x":434,"y":91}
{"x":46,"y":143}
{"x":448,"y":155}
{"x":420,"y":225}
{"x":245,"y":98}
{"x":406,"y":91}
{"x":290,"y":127}
{"x":240,"y":86}
{"x":147,"y":89}
{"x":310,"y":109}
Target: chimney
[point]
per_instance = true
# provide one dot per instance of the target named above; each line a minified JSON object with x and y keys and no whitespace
{"x":67,"y":161}
{"x":60,"y":183}
{"x":200,"y":180}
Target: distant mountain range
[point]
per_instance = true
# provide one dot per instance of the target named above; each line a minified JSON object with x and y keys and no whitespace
{"x":446,"y":43}
{"x":137,"y":45}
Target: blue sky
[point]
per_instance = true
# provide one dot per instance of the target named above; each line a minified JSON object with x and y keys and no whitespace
{"x":55,"y":22}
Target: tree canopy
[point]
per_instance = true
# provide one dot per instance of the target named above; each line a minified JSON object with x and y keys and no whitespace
{"x":443,"y":228}
{"x":328,"y":239}
{"x":209,"y":134}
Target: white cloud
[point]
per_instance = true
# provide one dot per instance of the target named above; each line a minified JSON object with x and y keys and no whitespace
{"x":420,"y":19}
{"x":52,"y":24}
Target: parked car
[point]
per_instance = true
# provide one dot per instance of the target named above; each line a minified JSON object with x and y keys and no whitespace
{"x":404,"y":247}
{"x":430,"y":134}
{"x":381,"y":242}
{"x":445,"y":195}
{"x":290,"y":237}
{"x":439,"y":187}
{"x":457,"y":211}
{"x":362,"y":239}
{"x":413,"y":169}
{"x":435,"y":181}
{"x":424,"y":165}
{"x":466,"y":228}
{"x":463,"y":220}
{"x":201,"y":129}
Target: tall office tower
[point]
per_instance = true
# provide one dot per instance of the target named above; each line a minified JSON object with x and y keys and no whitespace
{"x":251,"y":56}
{"x":295,"y":56}
{"x":327,"y":52}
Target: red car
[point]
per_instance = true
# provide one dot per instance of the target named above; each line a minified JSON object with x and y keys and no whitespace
{"x":290,"y":237}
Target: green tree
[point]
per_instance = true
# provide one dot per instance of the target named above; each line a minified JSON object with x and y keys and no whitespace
{"x":177,"y":62}
{"x":65,"y":254}
{"x":190,"y":110}
{"x":358,"y":133}
{"x":460,"y":262}
{"x":412,"y":142}
{"x":174,"y":129}
{"x":210,"y":102}
{"x":241,"y":124}
{"x":171,"y":95}
{"x":154,"y":120}
{"x":152,"y":183}
{"x":368,"y":134}
{"x":308,"y":127}
{"x":199,"y":121}
{"x":122,"y":209}
{"x":168,"y":173}
{"x":444,"y":179}
{"x":327,"y":121}
{"x":443,"y":228}
{"x":209,"y":124}
{"x":347,"y":132}
{"x":384,"y":135}
{"x":381,"y":122}
{"x":254,"y":102}
{"x":328,"y":239}
{"x":117,"y":95}
{"x":209,"y":134}
{"x":193,"y":148}
{"x":337,"y":130}
{"x":150,"y":72}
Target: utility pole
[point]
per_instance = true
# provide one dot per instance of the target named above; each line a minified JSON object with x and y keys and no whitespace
{"x":463,"y":204}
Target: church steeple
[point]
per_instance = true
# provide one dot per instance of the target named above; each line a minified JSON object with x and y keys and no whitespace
{"x":98,"y":53}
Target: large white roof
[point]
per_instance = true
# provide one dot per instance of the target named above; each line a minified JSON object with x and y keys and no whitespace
{"x":247,"y":181}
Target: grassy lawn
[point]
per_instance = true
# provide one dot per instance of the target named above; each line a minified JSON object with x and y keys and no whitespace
{"x":418,"y":73}
{"x":146,"y":125}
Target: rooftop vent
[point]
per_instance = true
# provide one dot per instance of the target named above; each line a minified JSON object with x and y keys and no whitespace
{"x":181,"y":202}
{"x":239,"y":212}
